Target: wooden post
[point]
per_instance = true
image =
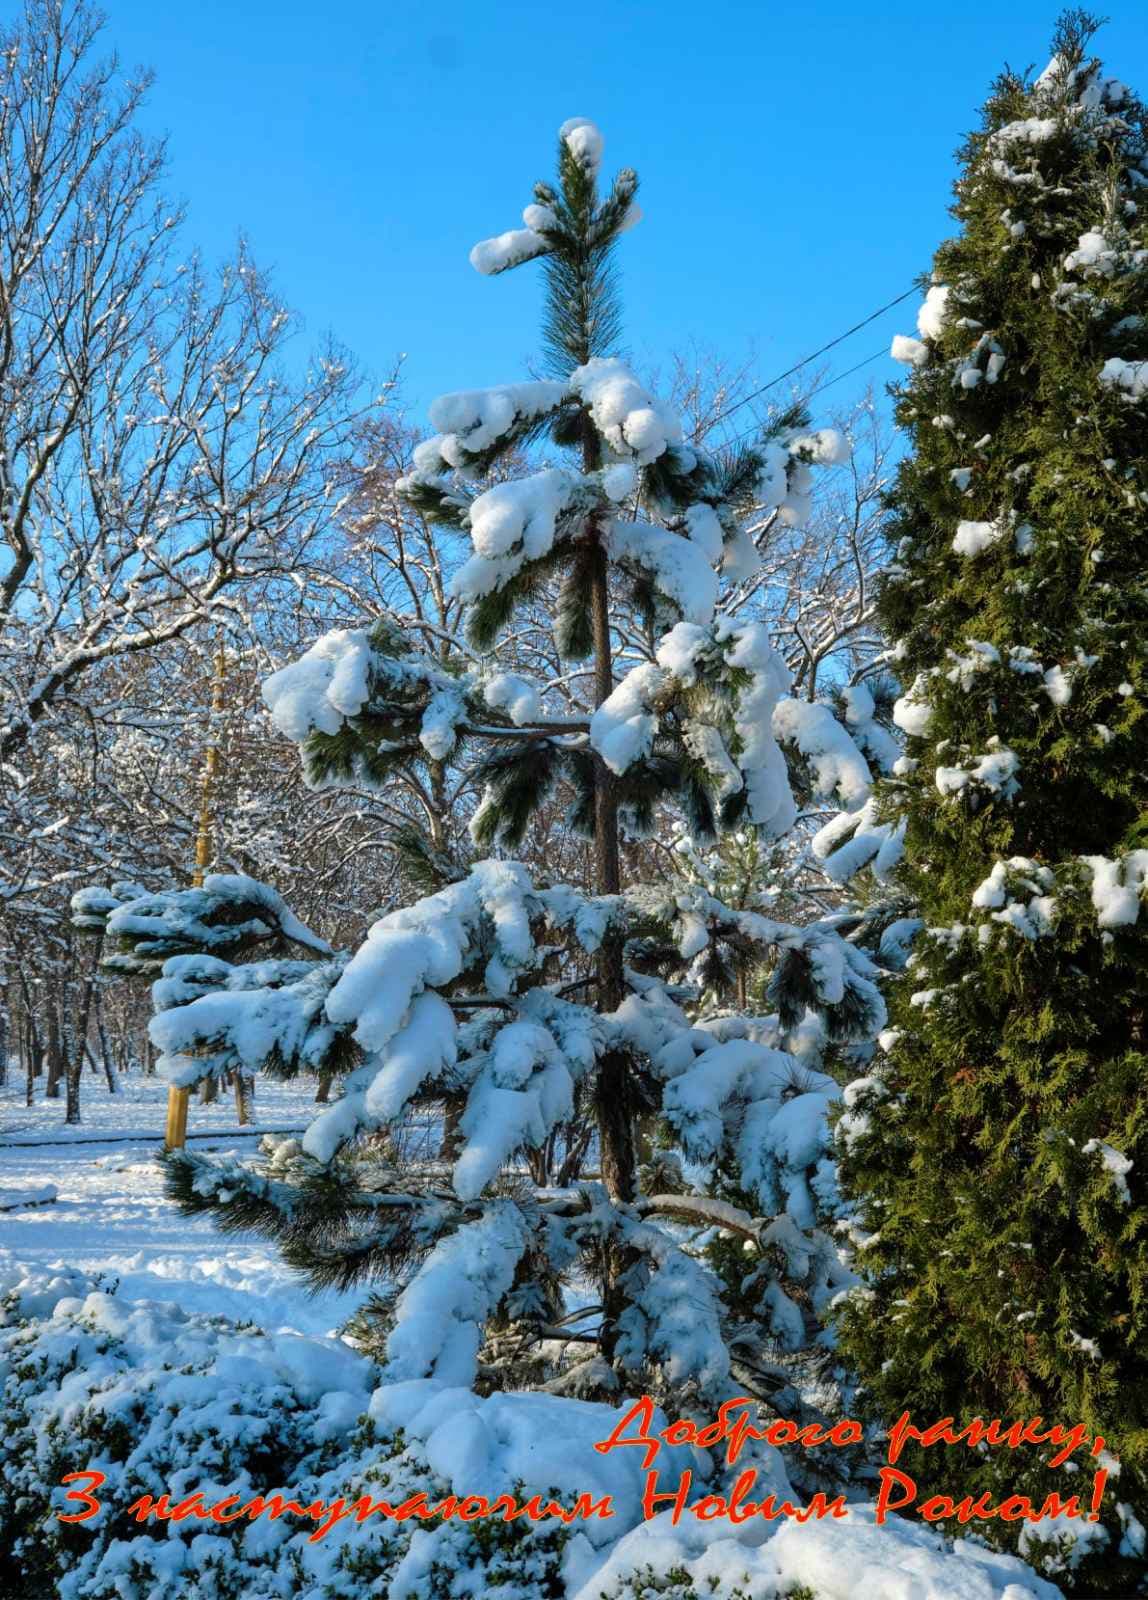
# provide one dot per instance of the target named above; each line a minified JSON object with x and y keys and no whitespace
{"x":175,"y":1136}
{"x":177,"y":1099}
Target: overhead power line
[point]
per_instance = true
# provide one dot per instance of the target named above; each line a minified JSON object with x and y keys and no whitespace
{"x":820,"y":389}
{"x":841,"y":337}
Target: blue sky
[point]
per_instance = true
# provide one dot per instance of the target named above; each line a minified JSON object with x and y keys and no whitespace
{"x":795,"y":162}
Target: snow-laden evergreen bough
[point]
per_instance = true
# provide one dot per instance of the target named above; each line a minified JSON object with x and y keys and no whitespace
{"x":531,"y":1007}
{"x":998,"y":1153}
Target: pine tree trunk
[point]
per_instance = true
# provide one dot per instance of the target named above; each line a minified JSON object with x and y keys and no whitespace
{"x":323,"y":1093}
{"x":615,"y":1110}
{"x":617,"y":1157}
{"x":450,"y":1144}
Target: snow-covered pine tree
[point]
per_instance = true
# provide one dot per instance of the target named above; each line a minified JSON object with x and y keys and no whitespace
{"x":529,"y":1003}
{"x":999,"y":1153}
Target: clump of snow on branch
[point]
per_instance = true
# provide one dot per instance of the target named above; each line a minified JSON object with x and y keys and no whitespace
{"x":1116,"y":1164}
{"x":1016,"y":894}
{"x":510,"y":524}
{"x":622,"y":728}
{"x":912,"y":712}
{"x":228,"y":912}
{"x":875,"y":740}
{"x":473,"y":420}
{"x":631,"y":421}
{"x":212,"y":1018}
{"x":1117,"y":887}
{"x":995,"y":771}
{"x":517,"y":696}
{"x":971,"y":538}
{"x":325,"y":686}
{"x":933,"y":311}
{"x":674,"y":1313}
{"x":1128,"y":379}
{"x":440,"y":1313}
{"x":930,"y":324}
{"x":334,"y":681}
{"x":584,"y":141}
{"x":855,"y":839}
{"x":509,"y":249}
{"x":837,"y":765}
{"x":732,"y":714}
{"x":681,"y":570}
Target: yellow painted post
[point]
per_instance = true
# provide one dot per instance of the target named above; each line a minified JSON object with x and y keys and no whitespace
{"x":177,"y":1099}
{"x":176,"y":1135}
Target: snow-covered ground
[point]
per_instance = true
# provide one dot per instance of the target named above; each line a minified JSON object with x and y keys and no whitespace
{"x":111,"y":1217}
{"x":111,"y":1214}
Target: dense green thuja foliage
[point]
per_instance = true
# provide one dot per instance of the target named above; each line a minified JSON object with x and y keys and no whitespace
{"x":999,"y":1153}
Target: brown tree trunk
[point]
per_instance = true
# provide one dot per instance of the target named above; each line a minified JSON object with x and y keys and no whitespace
{"x":244,"y":1095}
{"x":323,"y":1093}
{"x":615,"y":1109}
{"x":105,"y":1048}
{"x":32,"y":1055}
{"x":618,"y":1162}
{"x":451,"y":1143}
{"x":55,"y":1054}
{"x":79,"y":1041}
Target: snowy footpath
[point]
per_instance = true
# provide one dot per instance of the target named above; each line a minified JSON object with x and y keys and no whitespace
{"x":111,"y":1215}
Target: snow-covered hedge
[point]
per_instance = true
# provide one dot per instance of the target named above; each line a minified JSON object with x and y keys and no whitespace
{"x":159,"y":1400}
{"x":850,"y":1560}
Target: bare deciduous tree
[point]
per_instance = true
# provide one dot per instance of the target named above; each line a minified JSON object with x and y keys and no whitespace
{"x":154,"y":453}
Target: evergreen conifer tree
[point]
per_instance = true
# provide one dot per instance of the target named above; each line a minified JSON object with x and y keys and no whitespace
{"x":998,"y":1154}
{"x":528,"y":1003}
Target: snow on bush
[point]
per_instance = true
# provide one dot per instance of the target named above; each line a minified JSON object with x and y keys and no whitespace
{"x":162,"y":1401}
{"x":973,"y":537}
{"x":852,"y":1559}
{"x":930,"y":325}
{"x":1129,"y":379}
